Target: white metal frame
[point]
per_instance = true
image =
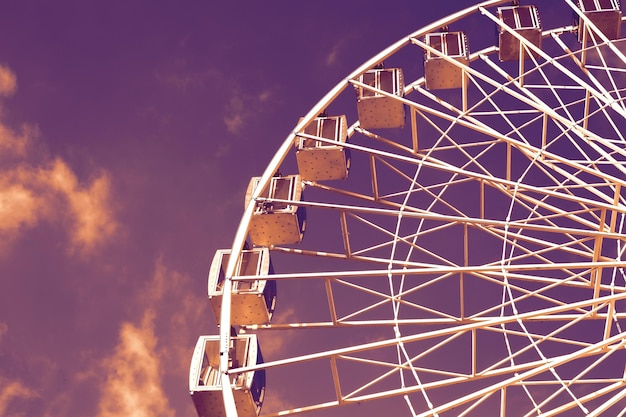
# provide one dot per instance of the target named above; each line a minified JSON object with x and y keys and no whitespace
{"x":528,"y":161}
{"x":271,"y":195}
{"x":316,"y":130}
{"x":374,"y":87}
{"x":534,"y":16}
{"x":461,"y":44}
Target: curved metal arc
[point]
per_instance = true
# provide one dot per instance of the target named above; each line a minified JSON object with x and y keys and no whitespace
{"x":241,"y":234}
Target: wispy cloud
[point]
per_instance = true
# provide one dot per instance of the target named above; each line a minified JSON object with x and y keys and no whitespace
{"x":11,"y":389}
{"x":338,"y":48}
{"x":29,"y":195}
{"x":93,"y":220}
{"x":184,"y":80}
{"x":238,"y":105}
{"x":32,"y":190}
{"x":133,"y":385}
{"x":15,"y":144}
{"x":8,"y":81}
{"x":278,"y":344}
{"x":188,"y":312}
{"x":18,"y":208}
{"x":242,"y":107}
{"x":140,"y":366}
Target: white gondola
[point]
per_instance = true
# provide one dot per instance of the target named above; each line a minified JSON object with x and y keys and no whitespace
{"x":277,"y":222}
{"x":605,"y":15}
{"x":205,"y":384}
{"x":525,"y":21}
{"x":318,"y":160}
{"x":439,"y":72}
{"x":252,"y":302}
{"x":375,"y":110}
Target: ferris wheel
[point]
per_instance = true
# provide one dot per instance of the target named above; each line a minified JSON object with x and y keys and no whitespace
{"x":443,"y":238}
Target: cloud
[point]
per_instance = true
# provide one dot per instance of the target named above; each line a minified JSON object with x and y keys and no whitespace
{"x":187,"y":311}
{"x":145,"y":371}
{"x":275,"y":346}
{"x":243,"y":107}
{"x":236,"y":113}
{"x":11,"y":390}
{"x":33,"y":189}
{"x":8,"y":82}
{"x":184,"y":80}
{"x":90,"y":207}
{"x":133,"y":387}
{"x":140,"y":368}
{"x":18,"y":208}
{"x":14,"y":143}
{"x":333,"y":56}
{"x":29,"y":195}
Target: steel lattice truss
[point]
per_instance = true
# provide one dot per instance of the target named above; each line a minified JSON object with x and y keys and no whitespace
{"x":472,"y":264}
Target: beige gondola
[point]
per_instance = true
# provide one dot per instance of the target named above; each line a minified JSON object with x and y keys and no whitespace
{"x":524,"y":20}
{"x":439,"y":72}
{"x":252,"y":302}
{"x":277,"y":222}
{"x":605,"y":15}
{"x":376,"y":110}
{"x":205,"y":384}
{"x":318,"y":160}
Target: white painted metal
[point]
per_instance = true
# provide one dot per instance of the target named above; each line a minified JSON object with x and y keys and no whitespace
{"x":483,"y":273}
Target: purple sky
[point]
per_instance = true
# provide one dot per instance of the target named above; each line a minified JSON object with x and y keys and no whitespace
{"x":128,"y":133}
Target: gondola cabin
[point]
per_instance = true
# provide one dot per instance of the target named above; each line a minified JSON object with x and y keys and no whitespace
{"x":604,"y":14}
{"x":523,"y":20}
{"x":205,"y":384}
{"x":252,"y":302}
{"x":376,"y":110}
{"x":439,"y":72}
{"x":319,"y":160}
{"x":277,"y":222}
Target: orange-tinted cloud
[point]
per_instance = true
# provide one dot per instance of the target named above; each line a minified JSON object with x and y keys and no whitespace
{"x":20,"y":208}
{"x":10,"y":390}
{"x":8,"y":81}
{"x":17,"y":208}
{"x":14,"y":143}
{"x":32,"y":190}
{"x":92,"y":216}
{"x":139,"y":367}
{"x":274,"y":347}
{"x":181,"y":324}
{"x":133,"y":384}
{"x":29,"y":195}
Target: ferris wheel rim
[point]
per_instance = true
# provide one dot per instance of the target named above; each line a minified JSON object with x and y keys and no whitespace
{"x":242,"y":230}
